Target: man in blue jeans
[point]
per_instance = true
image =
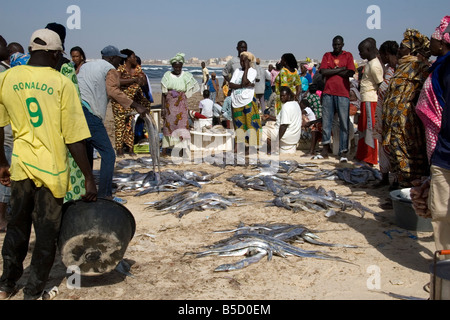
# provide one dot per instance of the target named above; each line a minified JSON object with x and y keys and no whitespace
{"x":95,"y":93}
{"x":337,"y":68}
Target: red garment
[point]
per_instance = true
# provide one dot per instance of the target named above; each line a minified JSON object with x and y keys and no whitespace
{"x":366,"y":152}
{"x":337,"y":85}
{"x":197,"y":115}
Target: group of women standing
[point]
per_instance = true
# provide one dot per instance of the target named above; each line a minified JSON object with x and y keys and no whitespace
{"x":411,"y":108}
{"x":178,"y":85}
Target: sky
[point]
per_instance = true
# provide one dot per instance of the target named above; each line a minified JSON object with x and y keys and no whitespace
{"x":159,"y":29}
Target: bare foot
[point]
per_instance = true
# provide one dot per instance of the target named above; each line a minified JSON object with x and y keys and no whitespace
{"x":120,"y":153}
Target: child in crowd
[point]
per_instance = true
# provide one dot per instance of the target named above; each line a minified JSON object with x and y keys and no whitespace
{"x":206,"y":105}
{"x":312,"y":126}
{"x":209,"y":109}
{"x":213,"y":87}
{"x":314,"y":100}
{"x":226,"y":111}
{"x":307,"y":113}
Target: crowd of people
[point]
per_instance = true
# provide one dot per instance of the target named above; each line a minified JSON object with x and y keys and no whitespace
{"x":52,"y":119}
{"x":396,"y":104}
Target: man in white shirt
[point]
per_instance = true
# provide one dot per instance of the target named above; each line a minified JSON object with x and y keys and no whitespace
{"x":372,"y":78}
{"x":287,"y":129}
{"x":99,"y":82}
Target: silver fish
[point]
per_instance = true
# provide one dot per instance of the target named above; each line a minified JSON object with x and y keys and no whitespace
{"x":153,"y":141}
{"x":188,"y":201}
{"x":242,"y":263}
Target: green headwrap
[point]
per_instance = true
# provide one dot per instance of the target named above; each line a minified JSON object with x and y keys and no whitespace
{"x":178,"y":58}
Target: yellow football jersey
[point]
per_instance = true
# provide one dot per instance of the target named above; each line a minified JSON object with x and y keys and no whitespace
{"x":45,"y":113}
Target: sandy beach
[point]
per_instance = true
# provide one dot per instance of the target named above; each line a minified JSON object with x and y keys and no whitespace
{"x":388,"y":259}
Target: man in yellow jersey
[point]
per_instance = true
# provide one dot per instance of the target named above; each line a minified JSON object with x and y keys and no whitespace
{"x":46,"y":117}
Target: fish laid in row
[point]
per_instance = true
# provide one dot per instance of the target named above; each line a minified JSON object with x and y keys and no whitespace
{"x":172,"y":180}
{"x":257,"y":241}
{"x":287,"y":167}
{"x":187,"y":201}
{"x":165,"y":181}
{"x":312,"y":199}
{"x":266,"y":181}
{"x":143,"y":162}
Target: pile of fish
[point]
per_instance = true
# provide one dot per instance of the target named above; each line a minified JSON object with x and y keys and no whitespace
{"x":292,"y":196}
{"x":287,"y":167}
{"x":260,"y":240}
{"x":187,"y":201}
{"x":238,"y":159}
{"x":312,"y":199}
{"x":143,"y":162}
{"x":165,"y":181}
{"x":266,"y":181}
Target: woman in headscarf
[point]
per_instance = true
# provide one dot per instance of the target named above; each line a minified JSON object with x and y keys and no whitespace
{"x":288,"y":77}
{"x":176,"y":86}
{"x":246,"y":117}
{"x":403,"y":133}
{"x":132,"y":78}
{"x":429,"y":107}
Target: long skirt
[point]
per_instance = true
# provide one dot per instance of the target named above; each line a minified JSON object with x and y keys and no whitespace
{"x":123,"y":125}
{"x":367,"y":144}
{"x":176,"y":120}
{"x":247,"y":124}
{"x":124,"y":118}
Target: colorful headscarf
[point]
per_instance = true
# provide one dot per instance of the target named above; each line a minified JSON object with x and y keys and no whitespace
{"x":416,"y":42}
{"x":178,"y":58}
{"x":440,"y":34}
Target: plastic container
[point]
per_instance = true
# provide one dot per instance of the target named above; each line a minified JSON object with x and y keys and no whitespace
{"x":200,"y":123}
{"x":405,"y":215}
{"x":440,"y":277}
{"x":95,"y":235}
{"x":210,"y":142}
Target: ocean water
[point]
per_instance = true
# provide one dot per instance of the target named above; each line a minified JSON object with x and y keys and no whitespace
{"x":156,"y":72}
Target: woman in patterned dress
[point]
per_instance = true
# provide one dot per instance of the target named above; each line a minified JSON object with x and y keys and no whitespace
{"x":132,"y":78}
{"x":431,"y":102}
{"x":246,"y":116}
{"x":403,"y":133}
{"x":176,"y":87}
{"x":288,"y":77}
